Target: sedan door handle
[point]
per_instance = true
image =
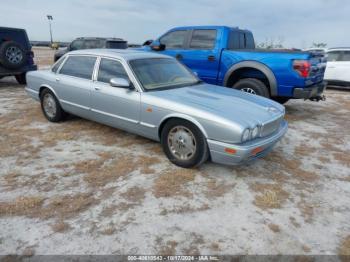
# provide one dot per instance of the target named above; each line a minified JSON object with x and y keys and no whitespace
{"x":178,"y":56}
{"x":57,"y":79}
{"x":97,"y":88}
{"x":211,"y":58}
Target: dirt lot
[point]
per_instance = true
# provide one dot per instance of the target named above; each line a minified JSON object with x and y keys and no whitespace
{"x":78,"y":187}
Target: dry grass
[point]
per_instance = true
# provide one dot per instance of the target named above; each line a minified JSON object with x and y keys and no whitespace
{"x":21,"y":206}
{"x":119,"y":167}
{"x":167,"y":249}
{"x":274,"y":228}
{"x":344,"y":248}
{"x":134,"y":194}
{"x":183,"y":209}
{"x":216,"y":190}
{"x":307,"y":210}
{"x":66,"y":206}
{"x":172,"y":183}
{"x":60,"y":226}
{"x":269,"y":195}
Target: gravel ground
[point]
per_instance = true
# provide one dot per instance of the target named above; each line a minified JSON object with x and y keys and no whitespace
{"x":78,"y":187}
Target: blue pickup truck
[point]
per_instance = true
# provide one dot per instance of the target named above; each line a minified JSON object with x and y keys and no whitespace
{"x":227,"y":56}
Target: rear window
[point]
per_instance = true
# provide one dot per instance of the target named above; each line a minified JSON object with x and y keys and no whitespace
{"x":240,"y":40}
{"x":79,"y":66}
{"x":117,"y":44}
{"x":203,"y":39}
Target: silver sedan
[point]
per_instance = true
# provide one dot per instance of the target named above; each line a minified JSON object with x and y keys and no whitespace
{"x":157,"y":97}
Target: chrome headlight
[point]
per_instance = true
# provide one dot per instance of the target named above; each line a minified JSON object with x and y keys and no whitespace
{"x":246,"y":135}
{"x":255,"y":132}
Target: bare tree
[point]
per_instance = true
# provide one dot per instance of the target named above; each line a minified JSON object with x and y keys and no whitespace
{"x":319,"y":45}
{"x":271,"y":43}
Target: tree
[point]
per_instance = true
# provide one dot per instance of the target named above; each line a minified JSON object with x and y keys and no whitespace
{"x":319,"y":45}
{"x":271,"y":43}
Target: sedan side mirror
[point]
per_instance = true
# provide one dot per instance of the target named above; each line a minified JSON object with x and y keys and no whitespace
{"x":157,"y":46}
{"x":120,"y":82}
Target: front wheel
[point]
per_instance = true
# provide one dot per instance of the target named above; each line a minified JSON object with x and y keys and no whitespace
{"x":184,"y":144}
{"x":51,"y":107}
{"x":252,"y":86}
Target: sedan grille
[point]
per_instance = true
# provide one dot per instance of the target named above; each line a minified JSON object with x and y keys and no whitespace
{"x":271,"y":127}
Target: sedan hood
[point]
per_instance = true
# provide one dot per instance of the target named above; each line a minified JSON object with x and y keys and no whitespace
{"x":220,"y":104}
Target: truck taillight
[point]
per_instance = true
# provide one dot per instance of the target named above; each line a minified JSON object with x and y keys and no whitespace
{"x":303,"y":67}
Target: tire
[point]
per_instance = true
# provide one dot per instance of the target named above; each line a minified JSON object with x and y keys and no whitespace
{"x":12,"y":55}
{"x":282,"y":100}
{"x":253,"y":86}
{"x":21,"y":78}
{"x":171,"y":134}
{"x":50,"y":106}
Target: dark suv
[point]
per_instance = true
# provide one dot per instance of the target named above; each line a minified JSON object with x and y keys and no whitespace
{"x":92,"y":43}
{"x":16,"y":56}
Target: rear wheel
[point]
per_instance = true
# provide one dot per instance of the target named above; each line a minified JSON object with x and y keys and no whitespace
{"x":252,"y":86}
{"x":21,"y":78}
{"x":184,"y":144}
{"x":51,"y":107}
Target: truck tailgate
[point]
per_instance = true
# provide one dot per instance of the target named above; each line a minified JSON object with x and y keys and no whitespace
{"x":318,"y":67}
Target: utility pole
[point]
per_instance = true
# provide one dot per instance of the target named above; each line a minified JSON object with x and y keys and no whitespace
{"x":50,"y":18}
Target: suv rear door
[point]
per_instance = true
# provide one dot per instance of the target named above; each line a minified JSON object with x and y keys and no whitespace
{"x":202,"y":55}
{"x":333,"y":59}
{"x":338,"y":66}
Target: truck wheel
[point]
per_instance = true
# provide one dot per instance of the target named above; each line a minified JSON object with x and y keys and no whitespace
{"x":21,"y":78}
{"x":12,"y":55}
{"x":51,"y":107}
{"x":184,"y":144}
{"x":280,"y":99}
{"x":252,"y":86}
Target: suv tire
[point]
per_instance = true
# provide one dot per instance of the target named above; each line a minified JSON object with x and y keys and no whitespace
{"x":12,"y":55}
{"x":21,"y":78}
{"x":252,"y":86}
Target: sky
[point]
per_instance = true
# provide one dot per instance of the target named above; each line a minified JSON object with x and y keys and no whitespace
{"x":296,"y":23}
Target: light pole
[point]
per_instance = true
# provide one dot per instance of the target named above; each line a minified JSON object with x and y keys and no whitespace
{"x":50,"y":18}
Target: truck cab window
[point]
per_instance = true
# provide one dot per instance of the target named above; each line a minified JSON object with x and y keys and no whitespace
{"x":203,"y":39}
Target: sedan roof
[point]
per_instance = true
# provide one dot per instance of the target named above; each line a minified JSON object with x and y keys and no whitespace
{"x":126,"y":54}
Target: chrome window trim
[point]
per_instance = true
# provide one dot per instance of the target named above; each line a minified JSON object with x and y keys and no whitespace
{"x":71,"y":55}
{"x":125,"y":64}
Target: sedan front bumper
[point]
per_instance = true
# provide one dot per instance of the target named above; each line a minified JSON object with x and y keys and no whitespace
{"x":230,"y":154}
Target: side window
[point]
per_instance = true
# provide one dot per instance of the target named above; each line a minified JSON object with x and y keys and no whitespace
{"x":174,"y":39}
{"x":346,"y":56}
{"x":57,"y":65}
{"x":110,"y":69}
{"x":333,"y":56}
{"x":249,"y":41}
{"x":203,"y":39}
{"x":241,"y":41}
{"x":76,"y":45}
{"x":233,"y":42}
{"x":79,"y":66}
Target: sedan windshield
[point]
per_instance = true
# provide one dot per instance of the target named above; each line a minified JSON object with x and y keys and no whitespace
{"x":162,"y":73}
